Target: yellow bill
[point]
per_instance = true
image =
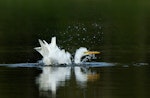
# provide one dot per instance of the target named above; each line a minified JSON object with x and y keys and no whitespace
{"x":91,"y":52}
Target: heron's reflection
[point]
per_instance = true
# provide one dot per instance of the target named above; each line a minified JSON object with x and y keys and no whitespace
{"x":83,"y":75}
{"x":53,"y":77}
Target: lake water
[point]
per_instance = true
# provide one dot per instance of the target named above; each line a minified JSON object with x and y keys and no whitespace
{"x":118,"y":29}
{"x":96,"y":80}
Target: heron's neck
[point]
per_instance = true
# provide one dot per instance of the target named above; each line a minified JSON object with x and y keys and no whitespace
{"x":77,"y":58}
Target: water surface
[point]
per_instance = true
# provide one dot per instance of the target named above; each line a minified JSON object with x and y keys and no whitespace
{"x":22,"y":80}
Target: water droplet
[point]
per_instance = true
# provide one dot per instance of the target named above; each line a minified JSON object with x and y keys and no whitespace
{"x":100,"y":27}
{"x":78,"y":34}
{"x":84,"y":29}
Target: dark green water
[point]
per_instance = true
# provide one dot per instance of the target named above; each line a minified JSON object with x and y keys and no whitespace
{"x":107,"y":82}
{"x":119,"y":29}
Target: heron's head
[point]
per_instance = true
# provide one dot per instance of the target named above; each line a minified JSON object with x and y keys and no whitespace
{"x":82,"y":51}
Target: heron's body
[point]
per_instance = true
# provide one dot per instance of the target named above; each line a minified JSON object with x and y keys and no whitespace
{"x":52,"y":54}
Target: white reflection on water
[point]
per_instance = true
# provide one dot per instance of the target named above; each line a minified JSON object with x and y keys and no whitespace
{"x":83,"y":75}
{"x":53,"y":77}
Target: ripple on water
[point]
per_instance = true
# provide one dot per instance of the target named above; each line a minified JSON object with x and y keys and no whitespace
{"x":88,"y":64}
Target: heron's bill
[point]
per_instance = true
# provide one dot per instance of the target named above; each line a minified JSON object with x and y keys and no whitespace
{"x":91,"y":52}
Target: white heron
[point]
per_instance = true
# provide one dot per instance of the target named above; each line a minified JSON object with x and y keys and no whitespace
{"x":52,"y":54}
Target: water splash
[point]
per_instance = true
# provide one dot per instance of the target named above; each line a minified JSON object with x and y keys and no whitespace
{"x":88,"y":58}
{"x":91,"y":33}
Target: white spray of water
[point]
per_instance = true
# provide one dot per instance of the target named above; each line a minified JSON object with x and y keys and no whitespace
{"x":88,"y":58}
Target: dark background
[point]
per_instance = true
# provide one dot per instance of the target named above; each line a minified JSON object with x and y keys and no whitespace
{"x":119,"y":29}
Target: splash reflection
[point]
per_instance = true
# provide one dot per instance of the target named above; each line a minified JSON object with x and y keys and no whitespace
{"x":53,"y":77}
